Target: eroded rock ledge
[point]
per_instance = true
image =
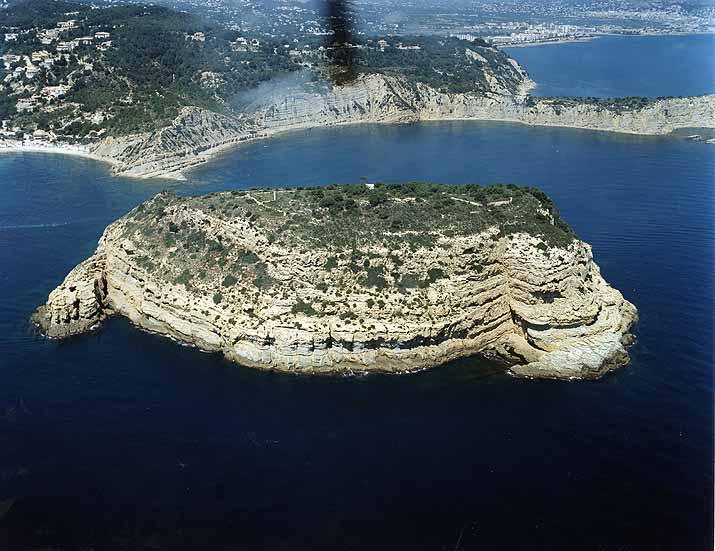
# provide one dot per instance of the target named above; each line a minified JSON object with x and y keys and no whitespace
{"x":196,"y":134}
{"x":394,"y":279}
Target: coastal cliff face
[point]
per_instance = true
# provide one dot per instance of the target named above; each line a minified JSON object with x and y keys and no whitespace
{"x":173,"y":148}
{"x":196,"y":133}
{"x":289,"y":281}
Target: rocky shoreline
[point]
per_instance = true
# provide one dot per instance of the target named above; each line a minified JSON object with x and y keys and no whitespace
{"x":196,"y":134}
{"x":211,"y":273}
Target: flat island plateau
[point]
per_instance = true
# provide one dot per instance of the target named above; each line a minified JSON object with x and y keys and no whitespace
{"x":355,"y":278}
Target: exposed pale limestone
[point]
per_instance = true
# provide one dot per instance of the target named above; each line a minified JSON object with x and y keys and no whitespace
{"x":79,"y":304}
{"x":547,"y":310}
{"x":196,"y":134}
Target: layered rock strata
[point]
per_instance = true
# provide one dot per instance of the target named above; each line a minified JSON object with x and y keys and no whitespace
{"x":196,"y":134}
{"x":213,"y":274}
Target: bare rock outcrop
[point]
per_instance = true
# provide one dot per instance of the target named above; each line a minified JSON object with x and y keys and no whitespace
{"x":79,"y":304}
{"x":388,"y":280}
{"x":196,"y":133}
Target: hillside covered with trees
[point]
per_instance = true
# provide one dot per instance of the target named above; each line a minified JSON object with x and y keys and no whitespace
{"x":151,"y":62}
{"x":80,"y":72}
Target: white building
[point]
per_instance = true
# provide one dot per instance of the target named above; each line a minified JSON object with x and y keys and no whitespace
{"x":10,"y":37}
{"x":402,"y":46}
{"x":66,"y":46}
{"x":40,"y":56}
{"x":43,"y":136}
{"x":54,"y":92}
{"x":31,"y":71}
{"x":25,"y":105}
{"x":48,"y":36}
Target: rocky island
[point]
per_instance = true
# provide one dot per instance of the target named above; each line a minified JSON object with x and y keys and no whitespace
{"x":355,"y":278}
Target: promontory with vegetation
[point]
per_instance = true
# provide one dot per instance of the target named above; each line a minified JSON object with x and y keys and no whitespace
{"x":155,"y":91}
{"x":355,"y":278}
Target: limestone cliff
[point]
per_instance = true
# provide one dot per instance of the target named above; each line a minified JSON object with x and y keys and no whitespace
{"x":196,"y":133}
{"x":395,"y":278}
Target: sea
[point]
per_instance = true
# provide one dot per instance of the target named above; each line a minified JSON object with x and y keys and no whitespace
{"x":617,"y":66}
{"x":124,"y":440}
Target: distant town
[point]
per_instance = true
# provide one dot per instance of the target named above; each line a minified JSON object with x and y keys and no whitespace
{"x":506,"y":22}
{"x":78,"y":76}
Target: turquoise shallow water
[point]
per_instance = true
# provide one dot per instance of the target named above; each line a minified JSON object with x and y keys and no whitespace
{"x":123,"y":440}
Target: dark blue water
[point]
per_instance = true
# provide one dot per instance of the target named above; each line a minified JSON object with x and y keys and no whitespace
{"x":615,"y":66}
{"x":122,"y":440}
{"x":128,"y":438}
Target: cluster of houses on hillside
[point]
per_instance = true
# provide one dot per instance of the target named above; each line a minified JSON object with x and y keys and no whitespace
{"x":99,"y":39}
{"x":48,"y":37}
{"x":15,"y":134}
{"x":242,"y":44}
{"x":12,"y":137}
{"x":28,"y":66}
{"x":47,"y":94}
{"x":307,"y":51}
{"x":23,"y":69}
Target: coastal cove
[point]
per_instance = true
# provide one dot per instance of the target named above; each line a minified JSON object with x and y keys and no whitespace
{"x":122,"y":439}
{"x":318,"y":455}
{"x":165,"y":138}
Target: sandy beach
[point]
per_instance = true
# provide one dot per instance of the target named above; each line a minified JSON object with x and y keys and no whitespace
{"x":14,"y":146}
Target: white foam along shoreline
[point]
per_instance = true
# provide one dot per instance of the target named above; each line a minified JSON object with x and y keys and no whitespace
{"x":33,"y":146}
